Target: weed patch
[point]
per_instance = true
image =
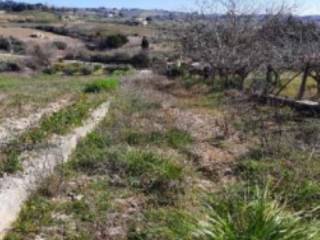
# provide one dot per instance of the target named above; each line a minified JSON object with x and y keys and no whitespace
{"x":35,"y":214}
{"x":102,"y":85}
{"x":164,"y":224}
{"x":253,"y":215}
{"x":174,"y":138}
{"x":145,"y":171}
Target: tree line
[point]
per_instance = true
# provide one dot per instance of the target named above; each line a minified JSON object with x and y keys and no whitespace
{"x":239,"y":44}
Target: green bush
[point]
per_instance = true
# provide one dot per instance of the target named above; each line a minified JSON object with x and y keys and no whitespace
{"x":60,"y":45}
{"x":253,"y":216}
{"x":9,"y":67}
{"x":175,"y":71}
{"x":86,"y":70}
{"x":11,"y":44}
{"x":140,"y":60}
{"x":118,"y":58}
{"x":4,"y":44}
{"x":112,"y":41}
{"x":70,"y":69}
{"x":102,"y":85}
{"x":145,"y":43}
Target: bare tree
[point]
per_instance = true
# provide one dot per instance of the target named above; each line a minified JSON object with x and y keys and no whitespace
{"x":41,"y":56}
{"x":227,"y":42}
{"x":236,"y":42}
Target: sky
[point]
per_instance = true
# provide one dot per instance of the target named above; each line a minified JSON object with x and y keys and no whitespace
{"x":305,"y":7}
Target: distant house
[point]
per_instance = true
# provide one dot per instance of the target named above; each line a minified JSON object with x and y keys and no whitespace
{"x":110,"y":15}
{"x":139,"y":21}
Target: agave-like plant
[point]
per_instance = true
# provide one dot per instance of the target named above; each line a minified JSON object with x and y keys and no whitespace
{"x":238,"y":217}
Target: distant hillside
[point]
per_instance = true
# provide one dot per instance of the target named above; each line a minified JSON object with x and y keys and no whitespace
{"x":157,"y":14}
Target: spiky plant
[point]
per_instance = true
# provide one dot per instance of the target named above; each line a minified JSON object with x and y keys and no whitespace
{"x":254,"y":217}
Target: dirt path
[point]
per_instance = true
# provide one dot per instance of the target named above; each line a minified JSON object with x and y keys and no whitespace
{"x":13,"y":127}
{"x":15,"y":189}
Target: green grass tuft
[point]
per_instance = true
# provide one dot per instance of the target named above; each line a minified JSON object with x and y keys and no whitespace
{"x":177,"y":138}
{"x":164,"y":223}
{"x":97,"y":86}
{"x":35,"y":214}
{"x":254,"y":216}
{"x":173,"y":138}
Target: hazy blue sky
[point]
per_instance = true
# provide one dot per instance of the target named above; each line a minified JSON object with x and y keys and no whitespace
{"x":305,"y":6}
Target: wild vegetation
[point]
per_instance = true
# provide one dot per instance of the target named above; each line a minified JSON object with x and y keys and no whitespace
{"x":212,"y":132}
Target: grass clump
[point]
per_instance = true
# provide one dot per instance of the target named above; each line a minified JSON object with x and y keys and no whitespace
{"x":174,"y":138}
{"x":11,"y":164}
{"x":177,"y":138}
{"x":92,"y":155}
{"x":151,"y":171}
{"x":144,"y":171}
{"x":97,"y":86}
{"x":35,"y":214}
{"x":164,"y":223}
{"x":237,"y":215}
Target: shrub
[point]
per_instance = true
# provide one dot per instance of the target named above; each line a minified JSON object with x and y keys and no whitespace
{"x":253,"y":216}
{"x":50,"y":70}
{"x":11,"y":44}
{"x":70,"y":69}
{"x":41,"y":56}
{"x":102,"y":85}
{"x":119,"y":58}
{"x":174,"y":71}
{"x":112,"y":41}
{"x":60,"y":45}
{"x":86,"y":70}
{"x":145,"y":43}
{"x":9,"y":67}
{"x":13,"y":67}
{"x":140,"y":60}
{"x":4,"y":44}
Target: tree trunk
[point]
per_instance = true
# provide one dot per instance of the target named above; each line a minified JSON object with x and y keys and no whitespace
{"x":268,"y":80}
{"x":318,"y":87}
{"x":304,"y":82}
{"x":243,"y":74}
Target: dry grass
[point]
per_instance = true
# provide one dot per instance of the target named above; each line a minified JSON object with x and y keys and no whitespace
{"x":24,"y":94}
{"x":116,"y":189}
